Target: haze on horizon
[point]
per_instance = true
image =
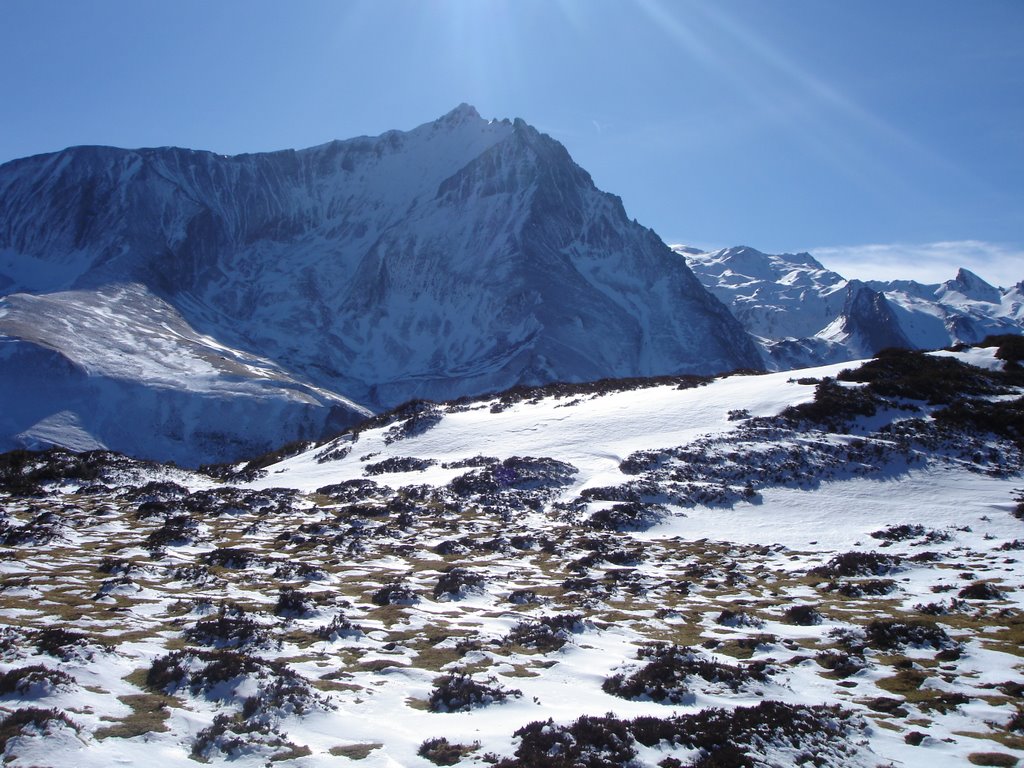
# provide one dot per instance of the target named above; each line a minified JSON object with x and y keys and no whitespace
{"x":878,"y":136}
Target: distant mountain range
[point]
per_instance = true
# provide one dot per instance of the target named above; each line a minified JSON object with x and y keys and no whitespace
{"x":804,"y":314}
{"x":184,"y":305}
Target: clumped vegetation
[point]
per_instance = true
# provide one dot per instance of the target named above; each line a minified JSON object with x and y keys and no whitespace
{"x":521,"y":474}
{"x":667,"y":676}
{"x":25,"y":473}
{"x":33,"y":681}
{"x":1009,"y":348}
{"x":234,"y":736}
{"x":724,"y":738}
{"x":201,"y":671}
{"x":891,"y":634}
{"x":899,"y":532}
{"x":423,"y":416}
{"x":627,"y":516}
{"x":395,"y":593}
{"x":176,"y":531}
{"x":562,"y":390}
{"x":548,"y":633}
{"x":65,"y":644}
{"x":802,"y":615}
{"x":459,"y":692}
{"x":833,"y":405}
{"x":862,"y":588}
{"x":456,"y":582}
{"x":981,"y":590}
{"x":589,"y":742}
{"x":229,"y":629}
{"x":440,"y":751}
{"x":234,"y":557}
{"x":908,"y":375}
{"x":398,"y":464}
{"x":38,"y":720}
{"x":857,"y":564}
{"x":841,"y":664}
{"x":255,"y":468}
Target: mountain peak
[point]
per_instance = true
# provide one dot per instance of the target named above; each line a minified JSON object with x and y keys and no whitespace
{"x":965,"y":276}
{"x":972,"y":287}
{"x":461,"y":114}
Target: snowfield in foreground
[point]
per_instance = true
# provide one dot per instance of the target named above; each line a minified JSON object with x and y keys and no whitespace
{"x":817,"y":567}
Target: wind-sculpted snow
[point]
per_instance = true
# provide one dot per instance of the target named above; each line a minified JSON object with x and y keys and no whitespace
{"x":461,"y":257}
{"x":751,"y":571}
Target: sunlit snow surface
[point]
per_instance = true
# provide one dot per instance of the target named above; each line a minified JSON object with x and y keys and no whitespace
{"x":594,"y":438}
{"x":747,"y":556}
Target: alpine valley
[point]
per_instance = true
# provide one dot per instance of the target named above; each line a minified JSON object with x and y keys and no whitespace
{"x":415,"y":450}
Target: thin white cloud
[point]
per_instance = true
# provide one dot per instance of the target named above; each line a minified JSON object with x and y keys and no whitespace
{"x":996,"y":263}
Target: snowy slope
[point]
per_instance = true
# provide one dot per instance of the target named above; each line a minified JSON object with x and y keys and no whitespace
{"x":330,"y":610}
{"x":806,"y":314}
{"x":118,"y":368}
{"x":594,"y":438}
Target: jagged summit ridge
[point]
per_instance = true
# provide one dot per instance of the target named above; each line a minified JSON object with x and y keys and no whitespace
{"x":462,"y":256}
{"x":972,"y":287}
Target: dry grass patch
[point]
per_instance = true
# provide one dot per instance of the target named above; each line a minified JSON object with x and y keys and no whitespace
{"x":389,"y":615}
{"x":434,"y":659}
{"x":906,"y":683}
{"x":522,"y":670}
{"x":744,"y":647}
{"x":332,"y":686}
{"x":882,"y":721}
{"x":149,"y":715}
{"x":996,"y":759}
{"x":1008,"y":638}
{"x":379,"y":665}
{"x":355,"y":751}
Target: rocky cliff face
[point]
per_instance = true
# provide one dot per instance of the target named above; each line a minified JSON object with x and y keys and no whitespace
{"x":463,"y":256}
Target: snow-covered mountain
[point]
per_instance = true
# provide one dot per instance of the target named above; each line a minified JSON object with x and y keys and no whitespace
{"x":805,"y":314}
{"x":460,"y":257}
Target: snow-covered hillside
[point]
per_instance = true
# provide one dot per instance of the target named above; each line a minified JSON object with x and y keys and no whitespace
{"x":118,"y":368}
{"x":461,"y":257}
{"x":759,"y":570}
{"x":805,"y":314}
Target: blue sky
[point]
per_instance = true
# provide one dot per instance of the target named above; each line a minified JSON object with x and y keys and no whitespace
{"x":880,"y":133}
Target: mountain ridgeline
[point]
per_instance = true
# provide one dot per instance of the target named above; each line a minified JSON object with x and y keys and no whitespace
{"x":803,"y":314}
{"x":178,"y":304}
